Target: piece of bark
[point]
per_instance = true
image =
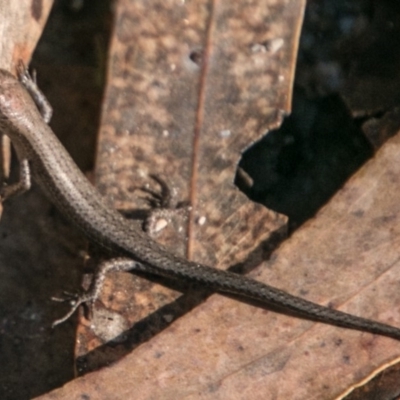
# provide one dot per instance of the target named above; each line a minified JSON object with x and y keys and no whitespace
{"x":189,"y":88}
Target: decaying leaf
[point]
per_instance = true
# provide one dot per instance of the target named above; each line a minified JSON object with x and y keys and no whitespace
{"x":190,"y":86}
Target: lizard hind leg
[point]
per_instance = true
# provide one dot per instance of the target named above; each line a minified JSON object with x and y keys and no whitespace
{"x":90,"y":296}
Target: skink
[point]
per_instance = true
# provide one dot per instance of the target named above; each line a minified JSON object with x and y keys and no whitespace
{"x":43,"y":158}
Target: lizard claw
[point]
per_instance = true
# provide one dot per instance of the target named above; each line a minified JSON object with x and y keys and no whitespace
{"x":163,"y":209}
{"x":75,"y":301}
{"x":67,"y":296}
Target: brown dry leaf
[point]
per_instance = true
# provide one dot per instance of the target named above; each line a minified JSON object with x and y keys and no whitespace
{"x":191,"y":85}
{"x":348,"y":256}
{"x":383,"y":386}
{"x":21,"y":25}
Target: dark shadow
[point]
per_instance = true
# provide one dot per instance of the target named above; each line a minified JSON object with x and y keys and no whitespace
{"x":297,"y":168}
